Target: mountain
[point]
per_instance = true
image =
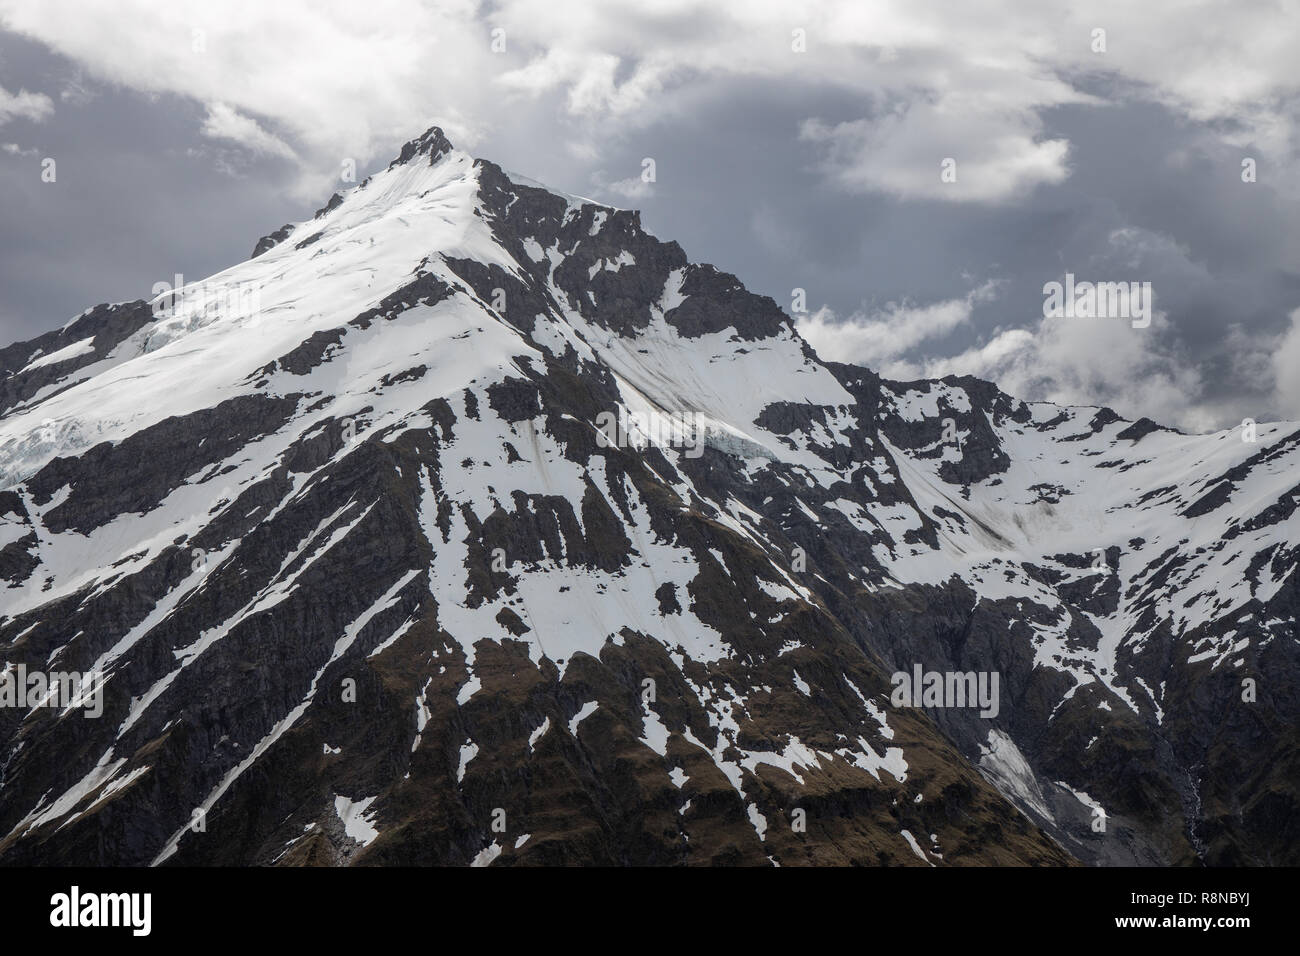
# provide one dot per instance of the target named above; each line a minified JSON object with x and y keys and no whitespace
{"x":468,"y":523}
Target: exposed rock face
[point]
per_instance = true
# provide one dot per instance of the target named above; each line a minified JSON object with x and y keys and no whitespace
{"x":369,"y":582}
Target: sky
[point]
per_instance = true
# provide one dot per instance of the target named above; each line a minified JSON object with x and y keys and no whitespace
{"x":919,"y":170}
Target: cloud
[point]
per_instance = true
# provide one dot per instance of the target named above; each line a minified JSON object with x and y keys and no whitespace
{"x":1077,"y":361}
{"x":326,"y":80}
{"x":881,"y":339}
{"x":1070,"y":361}
{"x":633,"y":187}
{"x":76,"y":91}
{"x":907,"y":153}
{"x":1286,"y":368}
{"x":223,"y":122}
{"x":935,"y":80}
{"x":24,"y":105}
{"x":1074,"y":361}
{"x":1248,"y":372}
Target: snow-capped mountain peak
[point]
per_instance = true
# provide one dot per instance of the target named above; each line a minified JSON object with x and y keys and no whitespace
{"x":471,"y":495}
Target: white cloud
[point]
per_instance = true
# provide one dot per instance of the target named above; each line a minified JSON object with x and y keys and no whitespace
{"x":330,"y":80}
{"x":1077,"y":361}
{"x":633,"y":187}
{"x":989,"y":158}
{"x":24,"y":105}
{"x":1286,"y":369}
{"x":881,"y":339}
{"x":970,"y":81}
{"x":76,"y":91}
{"x":223,"y":122}
{"x":1070,"y":361}
{"x":1074,"y":361}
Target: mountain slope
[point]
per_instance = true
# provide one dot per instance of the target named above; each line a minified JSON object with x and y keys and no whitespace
{"x":342,"y":528}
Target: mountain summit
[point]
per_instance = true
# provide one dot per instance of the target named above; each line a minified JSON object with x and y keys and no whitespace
{"x":468,"y":523}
